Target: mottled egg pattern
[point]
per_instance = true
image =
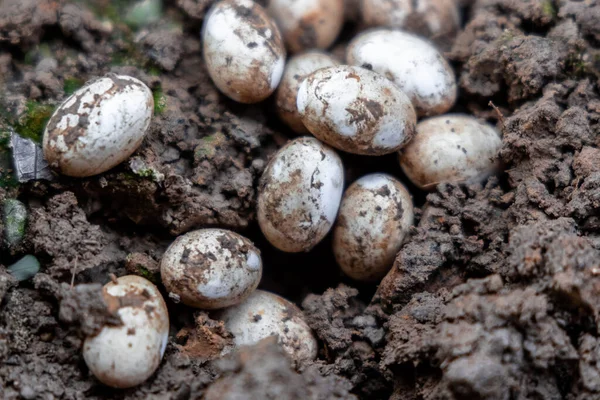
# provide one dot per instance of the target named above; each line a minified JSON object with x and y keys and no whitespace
{"x":126,"y":355}
{"x":411,"y":63}
{"x":451,"y":148}
{"x":429,"y":18}
{"x":99,"y":126}
{"x":297,"y":68}
{"x":211,"y":268}
{"x":265,"y":314}
{"x":299,"y":194}
{"x":356,"y":110}
{"x":308,"y":24}
{"x":243,"y":50}
{"x":375,"y":216}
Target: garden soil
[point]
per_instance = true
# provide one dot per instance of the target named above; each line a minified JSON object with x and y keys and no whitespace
{"x":495,"y":295}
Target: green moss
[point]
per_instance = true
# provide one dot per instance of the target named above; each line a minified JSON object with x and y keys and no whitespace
{"x":160,"y":101}
{"x":208,"y":146}
{"x":548,"y":9}
{"x":32,"y":122}
{"x":15,"y":218}
{"x":576,"y":66}
{"x":71,"y":85}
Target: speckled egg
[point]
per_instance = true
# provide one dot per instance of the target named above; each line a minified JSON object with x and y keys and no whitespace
{"x":296,"y":69}
{"x":451,"y":148}
{"x":374,"y":218}
{"x":429,"y":18}
{"x":299,"y":194}
{"x":356,"y":110}
{"x":126,"y":355}
{"x":243,"y":50}
{"x":211,"y":268}
{"x":265,"y":314}
{"x":411,"y":63}
{"x":308,"y":24}
{"x":99,"y":126}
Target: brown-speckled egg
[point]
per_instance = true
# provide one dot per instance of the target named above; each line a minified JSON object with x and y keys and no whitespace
{"x":451,"y":148}
{"x":99,"y":126}
{"x":243,"y":50}
{"x":356,"y":110}
{"x":126,"y":355}
{"x":374,"y":218}
{"x":211,"y":268}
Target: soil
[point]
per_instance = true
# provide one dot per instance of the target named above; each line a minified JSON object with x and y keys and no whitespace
{"x":495,"y":295}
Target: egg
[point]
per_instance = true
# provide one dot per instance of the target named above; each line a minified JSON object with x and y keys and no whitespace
{"x":126,"y":355}
{"x":296,"y":69}
{"x":265,"y":314}
{"x":429,"y":18}
{"x":356,"y":110}
{"x":451,"y":148}
{"x":211,"y":268}
{"x":99,"y":126}
{"x":243,"y":50}
{"x":308,"y":24}
{"x":411,"y":63}
{"x":375,"y":216}
{"x":299,"y":195}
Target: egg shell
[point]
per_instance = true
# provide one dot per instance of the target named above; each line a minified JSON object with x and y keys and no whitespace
{"x":308,"y":24}
{"x":99,"y":126}
{"x":428,"y":18}
{"x":299,"y":194}
{"x":356,"y":110}
{"x":243,"y":50}
{"x":265,"y":314}
{"x":125,"y":356}
{"x":411,"y":63}
{"x":451,"y":148}
{"x":297,"y":68}
{"x":375,"y":216}
{"x":211,"y":268}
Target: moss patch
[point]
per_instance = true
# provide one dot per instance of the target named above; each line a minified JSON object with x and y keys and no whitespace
{"x":32,"y":122}
{"x":160,"y":101}
{"x":548,"y":9}
{"x":71,"y":85}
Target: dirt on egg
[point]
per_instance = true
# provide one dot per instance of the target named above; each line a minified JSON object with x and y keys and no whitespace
{"x":493,"y":295}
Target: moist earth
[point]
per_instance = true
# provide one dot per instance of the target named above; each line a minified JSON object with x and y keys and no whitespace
{"x":495,"y":295}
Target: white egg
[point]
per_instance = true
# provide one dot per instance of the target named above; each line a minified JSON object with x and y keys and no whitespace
{"x":299,"y":194}
{"x":296,"y":69}
{"x":411,"y":63}
{"x":451,"y":148}
{"x":211,"y":268}
{"x":308,"y":24}
{"x":356,"y":110}
{"x":265,"y":314}
{"x":429,"y":18}
{"x":243,"y":50}
{"x":99,"y":126}
{"x":126,"y":355}
{"x":375,"y":216}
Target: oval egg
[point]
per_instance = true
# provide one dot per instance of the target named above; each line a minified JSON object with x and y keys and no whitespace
{"x":428,"y":18}
{"x":451,"y":148}
{"x":296,"y":69}
{"x":126,"y":355}
{"x":211,"y":268}
{"x":243,"y":50}
{"x":412,"y":63}
{"x":99,"y":126}
{"x":299,"y":194}
{"x":265,"y":314}
{"x":308,"y":24}
{"x":356,"y":110}
{"x":375,"y":216}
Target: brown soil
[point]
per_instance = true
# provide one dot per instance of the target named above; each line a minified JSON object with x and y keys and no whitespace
{"x":496,"y":294}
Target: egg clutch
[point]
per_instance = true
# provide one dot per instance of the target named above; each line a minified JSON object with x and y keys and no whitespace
{"x":389,"y":95}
